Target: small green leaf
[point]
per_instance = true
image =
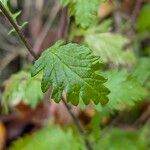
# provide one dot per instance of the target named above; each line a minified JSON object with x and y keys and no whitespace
{"x":85,"y":12}
{"x":71,"y":68}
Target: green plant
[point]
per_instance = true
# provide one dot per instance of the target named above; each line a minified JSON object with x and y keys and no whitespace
{"x":52,"y":135}
{"x":18,"y":88}
{"x":85,"y":11}
{"x":14,"y":16}
{"x":143,"y":23}
{"x":60,"y":63}
{"x":103,"y":71}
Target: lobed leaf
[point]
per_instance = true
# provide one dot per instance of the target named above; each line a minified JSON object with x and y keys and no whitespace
{"x":71,"y":68}
{"x":124,"y":90}
{"x":86,"y":12}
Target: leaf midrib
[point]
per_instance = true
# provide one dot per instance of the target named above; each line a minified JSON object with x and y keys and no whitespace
{"x":74,"y":72}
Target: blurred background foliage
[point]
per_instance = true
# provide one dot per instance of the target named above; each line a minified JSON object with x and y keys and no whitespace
{"x":116,"y":30}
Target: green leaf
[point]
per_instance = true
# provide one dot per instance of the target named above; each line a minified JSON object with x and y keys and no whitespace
{"x":85,"y":12}
{"x":124,"y":90}
{"x":71,"y":68}
{"x":22,"y":88}
{"x":109,"y":47}
{"x":49,"y":138}
{"x":143,"y":22}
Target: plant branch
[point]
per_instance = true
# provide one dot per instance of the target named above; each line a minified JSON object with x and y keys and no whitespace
{"x":77,"y":124}
{"x":75,"y":120}
{"x":15,"y":26}
{"x":29,"y":48}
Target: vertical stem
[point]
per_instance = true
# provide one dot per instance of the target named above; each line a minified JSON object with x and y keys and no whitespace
{"x":75,"y":120}
{"x":78,"y":125}
{"x":29,"y":48}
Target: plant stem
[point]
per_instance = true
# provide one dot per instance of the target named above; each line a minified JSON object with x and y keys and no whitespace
{"x":29,"y":48}
{"x":77,"y":124}
{"x":15,"y":26}
{"x":75,"y":120}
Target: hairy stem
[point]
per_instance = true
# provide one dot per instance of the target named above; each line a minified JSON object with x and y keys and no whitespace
{"x":29,"y":48}
{"x":15,"y":26}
